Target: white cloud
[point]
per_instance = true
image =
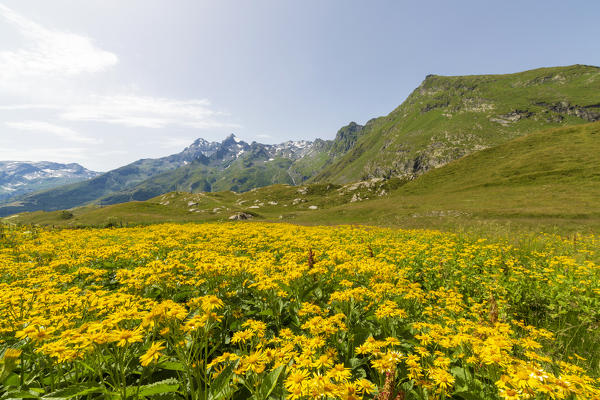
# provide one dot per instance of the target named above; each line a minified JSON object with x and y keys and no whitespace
{"x":62,"y":132}
{"x":55,"y":75}
{"x":45,"y":68}
{"x":145,"y":111}
{"x":133,"y":110}
{"x":50,"y":53}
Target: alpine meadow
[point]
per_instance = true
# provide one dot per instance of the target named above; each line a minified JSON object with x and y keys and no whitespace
{"x":448,"y":249}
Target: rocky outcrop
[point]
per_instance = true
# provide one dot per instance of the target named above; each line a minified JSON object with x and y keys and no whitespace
{"x":433,"y":106}
{"x":345,"y":139}
{"x":241,"y":216}
{"x":589,"y":113}
{"x":511,"y":117}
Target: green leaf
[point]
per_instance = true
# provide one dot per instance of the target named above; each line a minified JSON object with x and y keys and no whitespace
{"x":20,"y":394}
{"x":11,"y":380}
{"x":88,"y":367}
{"x":267,"y":312}
{"x":171,"y":396}
{"x":167,"y":386}
{"x":79,"y":389}
{"x":172,"y":365}
{"x":268,"y":384}
{"x":221,"y":387}
{"x":356,"y":363}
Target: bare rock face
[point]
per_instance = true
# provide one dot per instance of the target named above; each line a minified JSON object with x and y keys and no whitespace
{"x":241,"y":216}
{"x":511,"y":117}
{"x":589,"y":113}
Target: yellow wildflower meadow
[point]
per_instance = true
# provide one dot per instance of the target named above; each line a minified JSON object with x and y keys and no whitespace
{"x":256,"y":310}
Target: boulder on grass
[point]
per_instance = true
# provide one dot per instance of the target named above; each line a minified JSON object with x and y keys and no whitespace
{"x":241,"y":216}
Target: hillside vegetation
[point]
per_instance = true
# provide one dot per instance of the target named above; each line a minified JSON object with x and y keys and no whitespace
{"x":444,"y":119}
{"x":548,"y":178}
{"x":447,"y":117}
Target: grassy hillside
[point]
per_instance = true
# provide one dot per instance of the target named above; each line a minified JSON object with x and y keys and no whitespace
{"x":543,"y":180}
{"x":549,"y":178}
{"x":446,"y":118}
{"x":275,"y":202}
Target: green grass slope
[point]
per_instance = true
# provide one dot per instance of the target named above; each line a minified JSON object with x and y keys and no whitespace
{"x":545,"y":180}
{"x":446,"y":118}
{"x":548,"y":178}
{"x":248,"y":172}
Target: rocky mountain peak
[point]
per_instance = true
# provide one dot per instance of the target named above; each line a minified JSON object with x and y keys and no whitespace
{"x":200,"y":147}
{"x":200,"y":142}
{"x":233,"y":140}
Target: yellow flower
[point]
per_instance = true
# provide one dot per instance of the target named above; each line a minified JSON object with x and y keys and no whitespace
{"x":390,"y":309}
{"x":152,"y":354}
{"x":530,"y":344}
{"x":9,"y":360}
{"x":255,"y":362}
{"x":509,"y":394}
{"x":211,"y":302}
{"x":124,"y":337}
{"x":242,"y":336}
{"x":164,"y":331}
{"x":365,"y":386}
{"x":441,"y":378}
{"x":323,"y":361}
{"x":349,"y":392}
{"x":339,"y":373}
{"x":295,"y":378}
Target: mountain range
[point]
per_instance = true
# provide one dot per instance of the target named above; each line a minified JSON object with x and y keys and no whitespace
{"x":547,"y":181}
{"x":443,"y":119}
{"x":231,"y":164}
{"x":20,"y":177}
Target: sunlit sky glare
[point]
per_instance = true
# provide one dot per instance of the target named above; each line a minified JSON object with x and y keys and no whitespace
{"x":106,"y":82}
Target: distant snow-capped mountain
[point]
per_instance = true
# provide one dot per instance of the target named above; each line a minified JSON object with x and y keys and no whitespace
{"x":233,"y":147}
{"x":290,"y":149}
{"x":231,"y":164}
{"x":21,"y":177}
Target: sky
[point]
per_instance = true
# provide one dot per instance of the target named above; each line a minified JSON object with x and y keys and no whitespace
{"x":106,"y":82}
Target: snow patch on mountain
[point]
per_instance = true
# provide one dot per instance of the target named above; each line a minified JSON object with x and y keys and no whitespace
{"x":20,"y":177}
